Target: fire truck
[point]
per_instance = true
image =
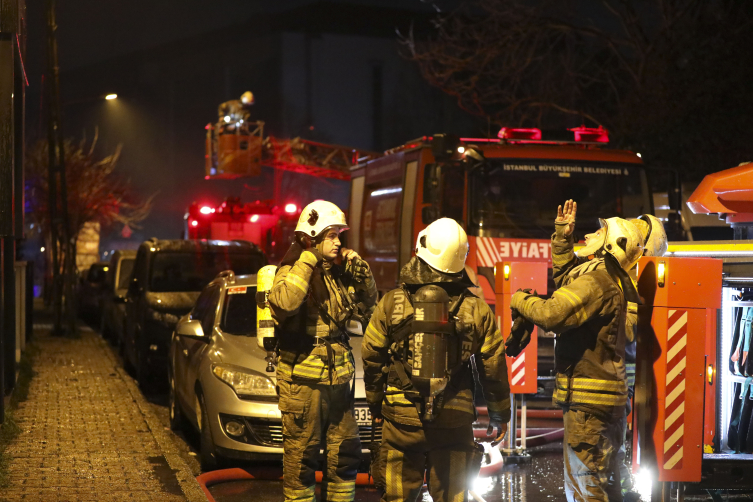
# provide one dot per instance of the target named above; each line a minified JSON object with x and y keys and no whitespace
{"x":505,"y":192}
{"x":692,"y":419}
{"x":236,"y":147}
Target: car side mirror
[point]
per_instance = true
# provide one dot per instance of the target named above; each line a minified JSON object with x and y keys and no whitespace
{"x":191,"y":328}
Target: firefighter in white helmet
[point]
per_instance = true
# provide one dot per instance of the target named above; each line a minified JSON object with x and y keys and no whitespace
{"x":321,"y":292}
{"x":431,"y":432}
{"x":587,"y":313}
{"x":655,"y":244}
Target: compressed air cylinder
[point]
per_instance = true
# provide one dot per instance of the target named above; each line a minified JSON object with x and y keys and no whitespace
{"x":265,"y":325}
{"x":430,"y":345}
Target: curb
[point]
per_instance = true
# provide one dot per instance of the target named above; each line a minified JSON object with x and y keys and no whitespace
{"x":188,"y":484}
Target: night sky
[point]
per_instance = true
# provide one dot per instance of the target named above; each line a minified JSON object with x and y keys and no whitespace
{"x":173,"y":62}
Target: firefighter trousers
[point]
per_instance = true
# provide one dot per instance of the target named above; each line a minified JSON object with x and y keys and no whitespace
{"x":449,"y":457}
{"x":592,"y":463}
{"x":315,"y":416}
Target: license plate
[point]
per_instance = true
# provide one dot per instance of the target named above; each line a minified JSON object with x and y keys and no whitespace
{"x":363,"y":415}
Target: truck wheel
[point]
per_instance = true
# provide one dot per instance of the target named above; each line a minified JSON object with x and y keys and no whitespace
{"x":208,"y":458}
{"x":177,"y":421}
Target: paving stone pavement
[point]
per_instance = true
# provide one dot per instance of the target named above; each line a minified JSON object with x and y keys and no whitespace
{"x":87,"y":434}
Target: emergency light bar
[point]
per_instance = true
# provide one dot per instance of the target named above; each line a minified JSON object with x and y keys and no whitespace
{"x":590,"y":134}
{"x":530,"y":134}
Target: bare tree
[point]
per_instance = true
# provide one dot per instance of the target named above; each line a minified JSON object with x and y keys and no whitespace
{"x":96,"y":193}
{"x":668,"y":77}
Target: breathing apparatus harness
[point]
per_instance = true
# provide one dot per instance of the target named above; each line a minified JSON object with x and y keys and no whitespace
{"x":434,"y":348}
{"x":355,"y":317}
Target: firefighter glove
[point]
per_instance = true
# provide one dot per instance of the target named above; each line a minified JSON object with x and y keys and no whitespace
{"x":358,"y":268}
{"x":520,"y":335}
{"x":496,"y":422}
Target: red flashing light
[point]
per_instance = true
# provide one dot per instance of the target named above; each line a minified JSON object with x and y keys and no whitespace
{"x":591,"y":134}
{"x":291,"y":208}
{"x":530,"y":134}
{"x":206,"y":210}
{"x":194,"y":223}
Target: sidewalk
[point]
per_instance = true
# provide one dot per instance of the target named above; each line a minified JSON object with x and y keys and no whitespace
{"x":87,"y":434}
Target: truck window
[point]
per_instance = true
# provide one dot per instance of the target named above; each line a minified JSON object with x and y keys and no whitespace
{"x":519,"y":198}
{"x":453,"y":193}
{"x":380,"y":218}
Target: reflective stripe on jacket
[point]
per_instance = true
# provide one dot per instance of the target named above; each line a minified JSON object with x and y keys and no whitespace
{"x":304,"y":282}
{"x":588,"y":315}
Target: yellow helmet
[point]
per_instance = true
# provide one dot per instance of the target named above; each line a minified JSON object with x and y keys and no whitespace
{"x":620,"y":238}
{"x":654,"y":236}
{"x":247,"y":98}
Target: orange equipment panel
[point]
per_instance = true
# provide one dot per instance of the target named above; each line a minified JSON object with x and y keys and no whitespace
{"x":681,"y":297}
{"x":511,"y":276}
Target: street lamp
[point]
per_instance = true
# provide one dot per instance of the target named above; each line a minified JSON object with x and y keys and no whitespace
{"x":110,"y":97}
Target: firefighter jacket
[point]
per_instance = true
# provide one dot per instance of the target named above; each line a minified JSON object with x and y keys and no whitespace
{"x":588,"y":315}
{"x":478,"y":337}
{"x":312,"y":347}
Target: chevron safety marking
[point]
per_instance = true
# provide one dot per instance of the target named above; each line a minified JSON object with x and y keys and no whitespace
{"x":674,"y":404}
{"x":486,"y":252}
{"x":518,"y":369}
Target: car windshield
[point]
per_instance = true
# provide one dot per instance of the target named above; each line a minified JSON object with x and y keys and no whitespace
{"x":519,"y":198}
{"x":126,"y":269}
{"x":239,"y":311}
{"x":187,"y":271}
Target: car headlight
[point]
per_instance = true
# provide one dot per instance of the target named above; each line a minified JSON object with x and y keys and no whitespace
{"x":245,"y":382}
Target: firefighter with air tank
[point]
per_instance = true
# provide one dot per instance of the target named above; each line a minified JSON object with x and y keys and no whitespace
{"x":418,"y":372}
{"x":319,"y":293}
{"x":588,"y":313}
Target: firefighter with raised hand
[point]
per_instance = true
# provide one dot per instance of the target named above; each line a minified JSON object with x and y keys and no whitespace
{"x":418,"y":354}
{"x":654,"y":244}
{"x":588,"y":315}
{"x":319,"y":294}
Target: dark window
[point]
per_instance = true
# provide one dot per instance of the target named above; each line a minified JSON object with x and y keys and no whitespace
{"x":185,"y":271}
{"x":97,"y":273}
{"x":125,"y":272}
{"x":519,"y":197}
{"x":239,"y":313}
{"x":453,"y":191}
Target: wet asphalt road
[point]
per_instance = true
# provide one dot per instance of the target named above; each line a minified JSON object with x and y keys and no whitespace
{"x":539,"y":480}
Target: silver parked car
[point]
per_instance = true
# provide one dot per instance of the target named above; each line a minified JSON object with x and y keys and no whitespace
{"x":218,"y":382}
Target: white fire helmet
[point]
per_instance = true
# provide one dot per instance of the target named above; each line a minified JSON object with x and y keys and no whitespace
{"x":443,"y":245}
{"x":620,"y":238}
{"x":654,"y":236}
{"x":318,"y":216}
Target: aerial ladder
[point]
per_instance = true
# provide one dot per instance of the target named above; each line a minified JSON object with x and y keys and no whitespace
{"x":236,"y":147}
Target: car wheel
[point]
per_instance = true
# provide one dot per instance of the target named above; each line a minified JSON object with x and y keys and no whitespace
{"x":177,"y":421}
{"x":208,"y":458}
